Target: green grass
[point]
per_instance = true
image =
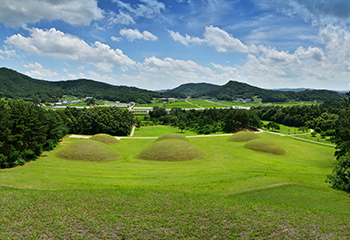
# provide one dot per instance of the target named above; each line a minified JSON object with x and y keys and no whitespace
{"x":286,"y":129}
{"x":88,"y":150}
{"x":317,"y":138}
{"x":104,"y":138}
{"x":169,"y":105}
{"x":171,"y":150}
{"x":156,"y":131}
{"x":261,"y":145}
{"x":244,"y":136}
{"x":237,"y":104}
{"x":205,"y":104}
{"x":232,"y":193}
{"x":171,"y":136}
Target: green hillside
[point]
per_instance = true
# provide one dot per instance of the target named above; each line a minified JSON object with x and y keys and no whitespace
{"x":17,"y":85}
{"x":194,"y":88}
{"x":233,"y":90}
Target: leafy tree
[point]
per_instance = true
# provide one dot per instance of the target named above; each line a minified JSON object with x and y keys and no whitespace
{"x":340,"y":177}
{"x":90,"y":101}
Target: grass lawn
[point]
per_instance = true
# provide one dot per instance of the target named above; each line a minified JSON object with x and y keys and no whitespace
{"x":233,"y":192}
{"x":286,"y":129}
{"x":156,"y":131}
{"x":205,"y":104}
{"x":317,"y":138}
{"x":237,"y":104}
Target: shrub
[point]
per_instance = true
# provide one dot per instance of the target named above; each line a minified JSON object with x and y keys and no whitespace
{"x":262,"y":145}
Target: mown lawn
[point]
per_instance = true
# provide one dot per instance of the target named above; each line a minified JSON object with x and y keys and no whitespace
{"x":232,"y":193}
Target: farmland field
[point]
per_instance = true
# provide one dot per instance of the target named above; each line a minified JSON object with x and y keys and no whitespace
{"x":233,"y":192}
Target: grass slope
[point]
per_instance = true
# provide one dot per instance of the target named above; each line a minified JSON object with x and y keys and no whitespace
{"x":244,"y":136}
{"x":171,"y":136}
{"x":104,"y":138}
{"x":87,"y":150}
{"x":171,"y":150}
{"x":234,"y":192}
{"x":262,"y":145}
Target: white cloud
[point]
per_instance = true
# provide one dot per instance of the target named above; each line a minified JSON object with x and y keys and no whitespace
{"x":116,"y":39}
{"x":39,"y":71}
{"x":21,"y":12}
{"x":127,"y":12}
{"x":133,"y":34}
{"x":176,"y":36}
{"x":7,"y":54}
{"x":58,"y":44}
{"x":217,"y":38}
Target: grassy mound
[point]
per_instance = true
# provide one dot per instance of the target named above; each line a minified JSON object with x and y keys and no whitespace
{"x":172,"y":136}
{"x":171,"y":150}
{"x":262,"y":145}
{"x":243,"y":137}
{"x":87,"y":150}
{"x":105,"y":138}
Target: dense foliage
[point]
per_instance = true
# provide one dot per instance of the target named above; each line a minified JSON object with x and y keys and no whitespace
{"x":90,"y":121}
{"x":16,"y":85}
{"x":319,"y":117}
{"x":26,"y":130}
{"x":207,"y":121}
{"x":233,"y":90}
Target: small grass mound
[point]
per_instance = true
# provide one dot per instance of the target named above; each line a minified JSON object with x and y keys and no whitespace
{"x":171,"y":136}
{"x":87,"y":150}
{"x":105,"y":138}
{"x":171,"y":150}
{"x":262,"y":145}
{"x":243,"y":137}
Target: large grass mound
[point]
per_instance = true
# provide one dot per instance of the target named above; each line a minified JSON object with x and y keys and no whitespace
{"x":262,"y":145}
{"x":171,"y":150}
{"x":243,"y":137}
{"x":172,"y":136}
{"x":105,"y":138}
{"x":87,"y":150}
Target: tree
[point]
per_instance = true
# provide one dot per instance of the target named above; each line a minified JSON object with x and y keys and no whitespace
{"x":181,"y":125}
{"x":90,"y":101}
{"x":340,"y":177}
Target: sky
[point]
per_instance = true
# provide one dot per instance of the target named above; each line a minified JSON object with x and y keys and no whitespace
{"x":161,"y":44}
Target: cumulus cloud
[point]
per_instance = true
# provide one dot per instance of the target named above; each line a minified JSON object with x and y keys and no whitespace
{"x":128,"y":12}
{"x":21,"y":12}
{"x":58,"y":44}
{"x":217,"y":38}
{"x":7,"y":54}
{"x":134,"y":34}
{"x":176,"y":36}
{"x":38,"y":71}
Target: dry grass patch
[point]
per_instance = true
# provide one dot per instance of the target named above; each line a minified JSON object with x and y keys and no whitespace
{"x":243,"y":137}
{"x":262,"y":145}
{"x":171,"y":150}
{"x":87,"y":150}
{"x":171,"y":136}
{"x":105,"y":138}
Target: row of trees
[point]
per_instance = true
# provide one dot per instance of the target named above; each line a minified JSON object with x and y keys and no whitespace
{"x":207,"y":121}
{"x":27,"y":130}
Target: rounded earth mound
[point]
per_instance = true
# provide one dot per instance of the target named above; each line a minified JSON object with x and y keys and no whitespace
{"x":171,"y":150}
{"x":171,"y":136}
{"x":262,"y":145}
{"x":105,"y":138}
{"x":87,"y":150}
{"x":243,"y":137}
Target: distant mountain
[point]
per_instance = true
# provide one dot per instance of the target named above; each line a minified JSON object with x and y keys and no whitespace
{"x":233,"y":90}
{"x":194,"y":88}
{"x":17,"y":85}
{"x":292,"y":89}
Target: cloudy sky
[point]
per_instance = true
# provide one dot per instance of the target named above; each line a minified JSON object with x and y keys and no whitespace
{"x":160,"y":44}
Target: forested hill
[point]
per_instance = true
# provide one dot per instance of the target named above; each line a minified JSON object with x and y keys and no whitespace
{"x":16,"y":85}
{"x":233,"y":90}
{"x":194,"y":88}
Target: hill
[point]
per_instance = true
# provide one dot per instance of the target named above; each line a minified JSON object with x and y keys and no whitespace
{"x":233,"y":90}
{"x":17,"y":85}
{"x":194,"y":88}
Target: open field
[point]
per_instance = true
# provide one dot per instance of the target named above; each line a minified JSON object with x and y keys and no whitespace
{"x":170,"y":105}
{"x":286,"y":129}
{"x":233,"y":192}
{"x":205,"y":104}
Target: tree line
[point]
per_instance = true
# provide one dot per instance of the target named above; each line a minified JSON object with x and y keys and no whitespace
{"x":208,"y":120}
{"x":27,"y":130}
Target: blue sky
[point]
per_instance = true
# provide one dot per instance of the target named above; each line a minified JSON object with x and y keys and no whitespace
{"x":156,"y":44}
